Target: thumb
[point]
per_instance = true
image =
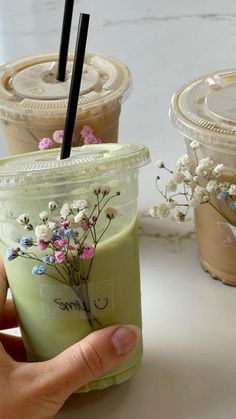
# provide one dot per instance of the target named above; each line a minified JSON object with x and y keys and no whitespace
{"x":88,"y":359}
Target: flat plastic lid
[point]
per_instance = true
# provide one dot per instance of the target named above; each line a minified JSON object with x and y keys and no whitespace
{"x":45,"y":167}
{"x":205,"y":109}
{"x":28,"y":85}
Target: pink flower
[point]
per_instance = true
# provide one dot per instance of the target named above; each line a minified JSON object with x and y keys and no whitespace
{"x":91,"y":139}
{"x":42,"y":245}
{"x":64,"y":223}
{"x":59,"y":256}
{"x":45,"y":143}
{"x":58,"y":136}
{"x":88,"y":252}
{"x":60,"y":243}
{"x":88,"y":136}
{"x":86,"y":131}
{"x":84,"y":224}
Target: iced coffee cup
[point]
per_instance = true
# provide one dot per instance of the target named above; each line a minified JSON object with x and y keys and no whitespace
{"x":204,"y":110}
{"x":68,"y":236}
{"x":33,"y":103}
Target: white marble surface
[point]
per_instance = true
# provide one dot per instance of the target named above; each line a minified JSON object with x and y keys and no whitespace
{"x":189,"y":366}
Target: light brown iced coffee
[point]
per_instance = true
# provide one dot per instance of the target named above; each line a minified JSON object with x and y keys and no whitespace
{"x":205,"y":110}
{"x":33,"y":103}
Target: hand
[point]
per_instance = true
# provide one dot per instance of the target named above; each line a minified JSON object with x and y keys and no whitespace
{"x":38,"y":390}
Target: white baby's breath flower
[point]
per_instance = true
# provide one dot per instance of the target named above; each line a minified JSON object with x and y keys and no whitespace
{"x":194,"y":202}
{"x":187,"y":161}
{"x":188,"y":180}
{"x":178,"y":177}
{"x":23,"y":219}
{"x":200,"y":170}
{"x":52,"y":205}
{"x":171,"y":203}
{"x":96,"y":188}
{"x":43,"y":232}
{"x":52,"y":225}
{"x":105,"y":189}
{"x":224,"y":186}
{"x":207,"y":162}
{"x":79,"y":216}
{"x":204,"y":167}
{"x":65,"y":210}
{"x":179,"y":165}
{"x":80,"y":204}
{"x":159,"y":164}
{"x":212,"y":186}
{"x":194,"y":144}
{"x":43,"y":216}
{"x":232,"y":189}
{"x":110,"y":212}
{"x":153,"y":212}
{"x":218,"y":169}
{"x":179,"y":216}
{"x":162,"y":210}
{"x":199,"y":191}
{"x":200,"y":194}
{"x":171,"y":186}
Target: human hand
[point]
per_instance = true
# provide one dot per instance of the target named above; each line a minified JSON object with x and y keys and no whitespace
{"x":38,"y":390}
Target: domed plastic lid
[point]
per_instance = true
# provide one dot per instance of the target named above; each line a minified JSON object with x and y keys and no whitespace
{"x":88,"y":161}
{"x":29,"y":86}
{"x":205,"y":109}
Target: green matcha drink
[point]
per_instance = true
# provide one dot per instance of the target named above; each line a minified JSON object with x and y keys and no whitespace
{"x":93,"y":227}
{"x":33,"y":103}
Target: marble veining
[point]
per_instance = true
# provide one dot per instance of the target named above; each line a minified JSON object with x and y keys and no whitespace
{"x":171,"y":235}
{"x":215,"y":17}
{"x":173,"y":240}
{"x":47,"y":6}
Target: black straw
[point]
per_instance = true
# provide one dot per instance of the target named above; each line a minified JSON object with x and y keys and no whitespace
{"x":75,"y":85}
{"x":65,"y":37}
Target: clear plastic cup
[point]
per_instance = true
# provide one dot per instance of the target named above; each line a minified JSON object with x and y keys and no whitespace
{"x":205,"y":110}
{"x":33,"y":103}
{"x":71,"y":298}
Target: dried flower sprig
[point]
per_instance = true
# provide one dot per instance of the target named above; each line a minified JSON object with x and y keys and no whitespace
{"x":192,"y":183}
{"x":69,"y":240}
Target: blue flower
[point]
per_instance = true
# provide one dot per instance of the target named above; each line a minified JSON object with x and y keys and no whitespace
{"x":61,"y":232}
{"x":222,"y":196}
{"x":11,"y":254}
{"x":38,"y":270}
{"x":69,"y":232}
{"x":50,"y":259}
{"x":26,"y":242}
{"x":232,"y":205}
{"x":55,"y":235}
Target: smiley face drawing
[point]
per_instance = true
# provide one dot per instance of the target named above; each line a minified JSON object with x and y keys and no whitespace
{"x":100,"y":304}
{"x":101,"y":298}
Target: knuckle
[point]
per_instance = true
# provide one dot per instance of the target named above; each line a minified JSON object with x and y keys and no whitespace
{"x":92,"y":360}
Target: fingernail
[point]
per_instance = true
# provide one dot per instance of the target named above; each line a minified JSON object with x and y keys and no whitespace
{"x":125,"y":338}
